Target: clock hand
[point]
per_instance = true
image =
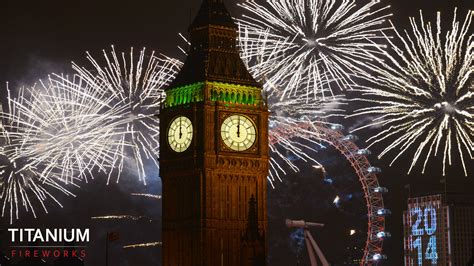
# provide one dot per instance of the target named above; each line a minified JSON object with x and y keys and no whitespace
{"x":238,"y":129}
{"x":180,"y":132}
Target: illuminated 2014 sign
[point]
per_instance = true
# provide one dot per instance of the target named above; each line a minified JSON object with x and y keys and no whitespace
{"x":423,"y":231}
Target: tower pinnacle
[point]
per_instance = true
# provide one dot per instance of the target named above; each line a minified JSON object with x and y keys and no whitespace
{"x":213,"y":55}
{"x":213,"y":12}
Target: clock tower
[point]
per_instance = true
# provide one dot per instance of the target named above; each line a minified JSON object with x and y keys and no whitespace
{"x":214,"y":152}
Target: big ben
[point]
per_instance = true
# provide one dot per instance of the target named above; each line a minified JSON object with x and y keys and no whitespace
{"x":214,"y":152}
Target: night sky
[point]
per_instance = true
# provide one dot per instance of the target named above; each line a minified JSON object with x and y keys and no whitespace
{"x":42,"y":37}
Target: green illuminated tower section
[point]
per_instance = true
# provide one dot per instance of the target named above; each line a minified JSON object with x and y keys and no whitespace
{"x":214,"y":152}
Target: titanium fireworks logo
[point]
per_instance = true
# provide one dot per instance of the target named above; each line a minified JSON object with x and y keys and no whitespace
{"x":48,"y":243}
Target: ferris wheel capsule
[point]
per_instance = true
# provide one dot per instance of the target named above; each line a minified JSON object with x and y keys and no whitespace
{"x":272,"y":124}
{"x":351,"y":138}
{"x":363,"y":152}
{"x":377,"y":257}
{"x":337,"y":127}
{"x":380,"y":190}
{"x":383,"y":234}
{"x":374,"y":170}
{"x":384,"y":212}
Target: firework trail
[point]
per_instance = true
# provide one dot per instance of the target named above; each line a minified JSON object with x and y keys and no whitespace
{"x":310,"y":46}
{"x":133,"y":86}
{"x":144,"y":245}
{"x":122,"y":217}
{"x":151,"y":196}
{"x":422,"y":93}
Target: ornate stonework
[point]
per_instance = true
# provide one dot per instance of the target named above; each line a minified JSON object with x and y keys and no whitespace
{"x":230,"y":94}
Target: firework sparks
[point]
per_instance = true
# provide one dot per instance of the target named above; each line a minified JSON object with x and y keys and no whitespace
{"x":39,"y":155}
{"x":20,"y":182}
{"x":310,"y":45}
{"x":144,"y":245}
{"x":152,"y":196}
{"x":60,"y":125}
{"x":122,"y":217}
{"x":291,"y":134}
{"x":63,"y":130}
{"x":423,"y":92}
{"x":134,"y":88}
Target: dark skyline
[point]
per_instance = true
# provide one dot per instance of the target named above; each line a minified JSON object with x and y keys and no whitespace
{"x":40,"y":37}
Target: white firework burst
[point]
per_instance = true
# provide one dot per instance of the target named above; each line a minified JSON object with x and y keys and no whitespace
{"x":62,"y":126}
{"x":422,"y":93}
{"x":23,"y":181}
{"x":310,"y":46}
{"x":133,"y":87}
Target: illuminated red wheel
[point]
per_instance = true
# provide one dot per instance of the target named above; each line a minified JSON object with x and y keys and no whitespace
{"x":367,"y":174}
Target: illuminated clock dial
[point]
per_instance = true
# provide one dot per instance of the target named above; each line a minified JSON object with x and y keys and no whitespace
{"x":238,"y":132}
{"x":180,"y":134}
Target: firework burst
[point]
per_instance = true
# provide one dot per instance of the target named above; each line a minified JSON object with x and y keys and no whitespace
{"x":422,"y":93}
{"x":21,"y":181}
{"x":133,"y":87}
{"x":61,"y":125}
{"x":310,"y":45}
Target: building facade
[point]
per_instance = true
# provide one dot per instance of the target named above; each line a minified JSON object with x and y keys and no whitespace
{"x":439,"y":230}
{"x":214,"y":152}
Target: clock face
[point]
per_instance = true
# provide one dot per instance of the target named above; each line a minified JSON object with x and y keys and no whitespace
{"x":180,"y":134}
{"x":238,"y":132}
